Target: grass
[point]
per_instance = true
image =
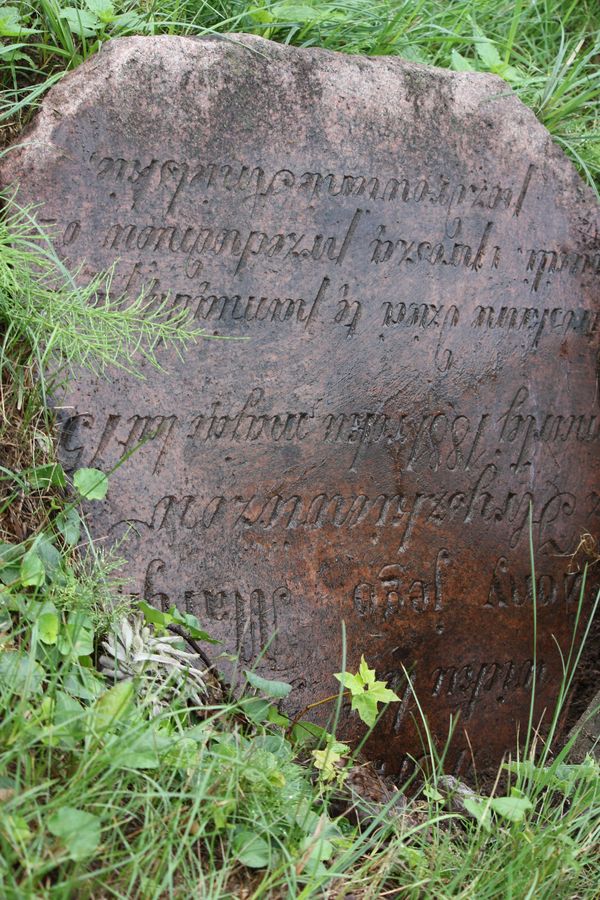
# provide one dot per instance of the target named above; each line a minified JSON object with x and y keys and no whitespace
{"x":131,"y":787}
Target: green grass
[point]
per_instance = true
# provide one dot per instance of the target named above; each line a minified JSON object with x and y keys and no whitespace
{"x":65,"y":325}
{"x":134,"y":791}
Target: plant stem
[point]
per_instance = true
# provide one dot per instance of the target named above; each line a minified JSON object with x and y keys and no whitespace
{"x":305,"y":709}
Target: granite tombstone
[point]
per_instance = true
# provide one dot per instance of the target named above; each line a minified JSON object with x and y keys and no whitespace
{"x":411,"y":261}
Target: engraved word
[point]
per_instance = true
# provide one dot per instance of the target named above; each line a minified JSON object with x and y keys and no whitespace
{"x":465,"y":686}
{"x":176,"y":178}
{"x":195,"y":242}
{"x":411,"y":251}
{"x":248,"y":426}
{"x":524,"y":429}
{"x":435,"y":442}
{"x":396,"y":592}
{"x":472,"y":682}
{"x":253,"y":615}
{"x":419,"y":315}
{"x":206,"y":306}
{"x":545,"y":263}
{"x":402,"y":511}
{"x":505,"y":590}
{"x":121,"y":436}
{"x":557,"y":320}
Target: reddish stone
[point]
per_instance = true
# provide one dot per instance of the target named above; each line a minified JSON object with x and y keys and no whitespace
{"x":412,"y":261}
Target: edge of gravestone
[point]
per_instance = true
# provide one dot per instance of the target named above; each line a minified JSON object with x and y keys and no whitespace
{"x":473,"y":90}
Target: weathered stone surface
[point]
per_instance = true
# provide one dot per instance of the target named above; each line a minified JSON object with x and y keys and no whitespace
{"x":412,"y":262}
{"x":587,"y":731}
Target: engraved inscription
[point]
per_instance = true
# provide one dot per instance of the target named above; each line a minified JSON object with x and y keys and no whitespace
{"x":174,"y":178}
{"x":198,"y":244}
{"x":402,"y":513}
{"x":397,"y":592}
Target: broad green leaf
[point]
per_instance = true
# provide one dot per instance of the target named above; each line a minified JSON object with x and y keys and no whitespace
{"x":76,"y":638}
{"x":84,"y":684}
{"x":524,"y":768}
{"x":20,"y":672}
{"x":260,"y":766}
{"x":414,"y":53}
{"x":308,"y":733}
{"x":366,"y":692}
{"x":295,"y":12}
{"x":200,"y":733}
{"x":321,"y":848}
{"x":486,"y":49}
{"x":9,"y":553}
{"x":304,"y":816}
{"x":432,"y":794}
{"x":318,"y":846}
{"x":155,"y":616}
{"x":92,"y":484}
{"x":256,"y":709}
{"x":366,"y":674}
{"x":80,"y":21}
{"x":567,"y":776}
{"x":460,"y":64}
{"x":366,"y":708}
{"x":48,"y":553}
{"x":326,"y":760}
{"x":10,"y":23}
{"x":275,"y":744}
{"x":511,"y":808}
{"x":260,"y":15}
{"x":512,"y":74}
{"x":67,"y":709}
{"x":112,"y":706}
{"x":16,"y":829}
{"x":78,"y":831}
{"x":43,"y":477}
{"x":69,"y":725}
{"x":182,"y":754}
{"x":276,"y":689}
{"x":68,"y":523}
{"x":130,"y":20}
{"x":103,"y":9}
{"x":192,"y":625}
{"x":48,"y":622}
{"x":12,"y":55}
{"x":250,"y":849}
{"x":276,"y":718}
{"x":10,"y":17}
{"x":479,"y":809}
{"x":143,"y":751}
{"x":416,"y":859}
{"x":21,"y":603}
{"x":381,"y":693}
{"x":32,"y":572}
{"x":353,"y":683}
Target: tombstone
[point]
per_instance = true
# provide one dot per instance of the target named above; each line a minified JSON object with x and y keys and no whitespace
{"x":403,"y":264}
